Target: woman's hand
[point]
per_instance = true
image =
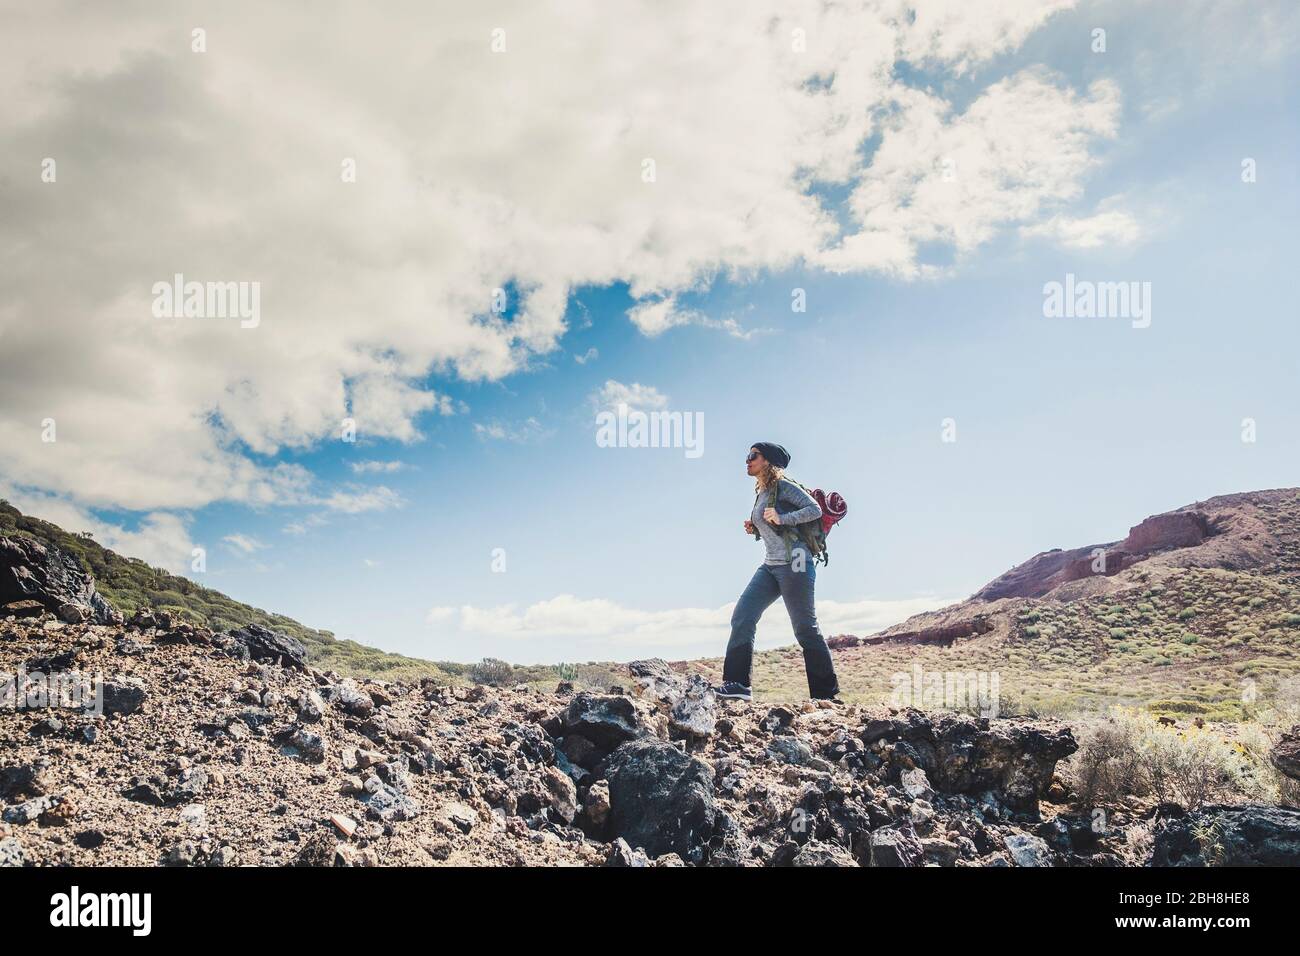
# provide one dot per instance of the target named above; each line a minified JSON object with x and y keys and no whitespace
{"x":749,"y":527}
{"x":770,"y":516}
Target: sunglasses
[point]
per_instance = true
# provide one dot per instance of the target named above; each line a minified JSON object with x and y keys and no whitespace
{"x":750,"y":457}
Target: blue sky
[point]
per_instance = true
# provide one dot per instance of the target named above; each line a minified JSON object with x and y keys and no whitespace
{"x":1068,"y":430}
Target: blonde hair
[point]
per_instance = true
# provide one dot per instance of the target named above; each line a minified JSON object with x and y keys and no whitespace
{"x":766,"y":478}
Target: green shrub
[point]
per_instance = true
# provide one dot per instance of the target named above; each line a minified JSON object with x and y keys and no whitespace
{"x":1131,"y":754}
{"x":491,"y":671}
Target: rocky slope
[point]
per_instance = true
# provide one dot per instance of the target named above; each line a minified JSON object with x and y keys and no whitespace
{"x":129,"y":584}
{"x":220,"y":750}
{"x":194,"y":747}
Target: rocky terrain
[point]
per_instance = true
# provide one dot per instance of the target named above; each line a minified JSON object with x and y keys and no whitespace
{"x":224,"y":750}
{"x":199,"y":747}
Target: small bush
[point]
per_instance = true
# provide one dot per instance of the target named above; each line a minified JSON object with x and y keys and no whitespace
{"x":496,"y":673}
{"x":1105,"y":770}
{"x":1132,"y":755}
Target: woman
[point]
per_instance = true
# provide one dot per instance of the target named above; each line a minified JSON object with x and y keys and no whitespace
{"x":787,"y":572}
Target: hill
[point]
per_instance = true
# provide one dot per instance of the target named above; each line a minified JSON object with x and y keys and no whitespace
{"x":131,"y":584}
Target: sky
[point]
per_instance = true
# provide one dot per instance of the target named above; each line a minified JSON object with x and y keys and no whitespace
{"x":470,"y":230}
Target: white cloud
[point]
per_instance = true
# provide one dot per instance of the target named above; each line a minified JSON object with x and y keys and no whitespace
{"x":306,"y":524}
{"x":357,"y":499}
{"x":439,"y":615}
{"x":623,"y":630}
{"x":528,"y":430}
{"x":226,"y":166}
{"x":162,"y":539}
{"x":655,"y":316}
{"x":243,"y":544}
{"x":589,"y":356}
{"x":1113,"y":228}
{"x":1020,"y":149}
{"x":635,"y":396}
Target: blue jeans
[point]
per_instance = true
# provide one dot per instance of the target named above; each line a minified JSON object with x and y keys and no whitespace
{"x":769,"y":582}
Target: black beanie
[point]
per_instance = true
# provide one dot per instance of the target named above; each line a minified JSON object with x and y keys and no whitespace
{"x":772,"y":452}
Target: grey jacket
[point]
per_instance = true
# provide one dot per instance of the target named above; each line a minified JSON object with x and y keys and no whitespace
{"x":793,"y":506}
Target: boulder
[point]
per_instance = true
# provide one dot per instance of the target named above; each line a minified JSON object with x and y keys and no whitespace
{"x":622,"y":855}
{"x":11,"y":852}
{"x":30,"y":570}
{"x":695,"y":713}
{"x":661,"y":799}
{"x":30,"y":810}
{"x":815,"y":853}
{"x":23,"y":609}
{"x":124,"y":696}
{"x":1027,"y":850}
{"x":605,"y":721}
{"x":563,"y":794}
{"x":895,"y":846}
{"x":257,"y":642}
{"x":654,"y":677}
{"x":346,"y":695}
{"x":303,"y":742}
{"x":778,"y":720}
{"x":1014,"y":759}
{"x":1249,"y":835}
{"x":687,"y":700}
{"x":388,"y":804}
{"x":1286,"y":754}
{"x":311,"y":707}
{"x":790,"y":750}
{"x":940,"y":852}
{"x":24,"y":781}
{"x":596,"y":807}
{"x":74,"y":613}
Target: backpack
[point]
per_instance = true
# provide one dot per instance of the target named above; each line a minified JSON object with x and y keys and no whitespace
{"x":812,"y":533}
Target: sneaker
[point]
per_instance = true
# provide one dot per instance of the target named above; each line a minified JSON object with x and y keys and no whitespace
{"x":731,"y":690}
